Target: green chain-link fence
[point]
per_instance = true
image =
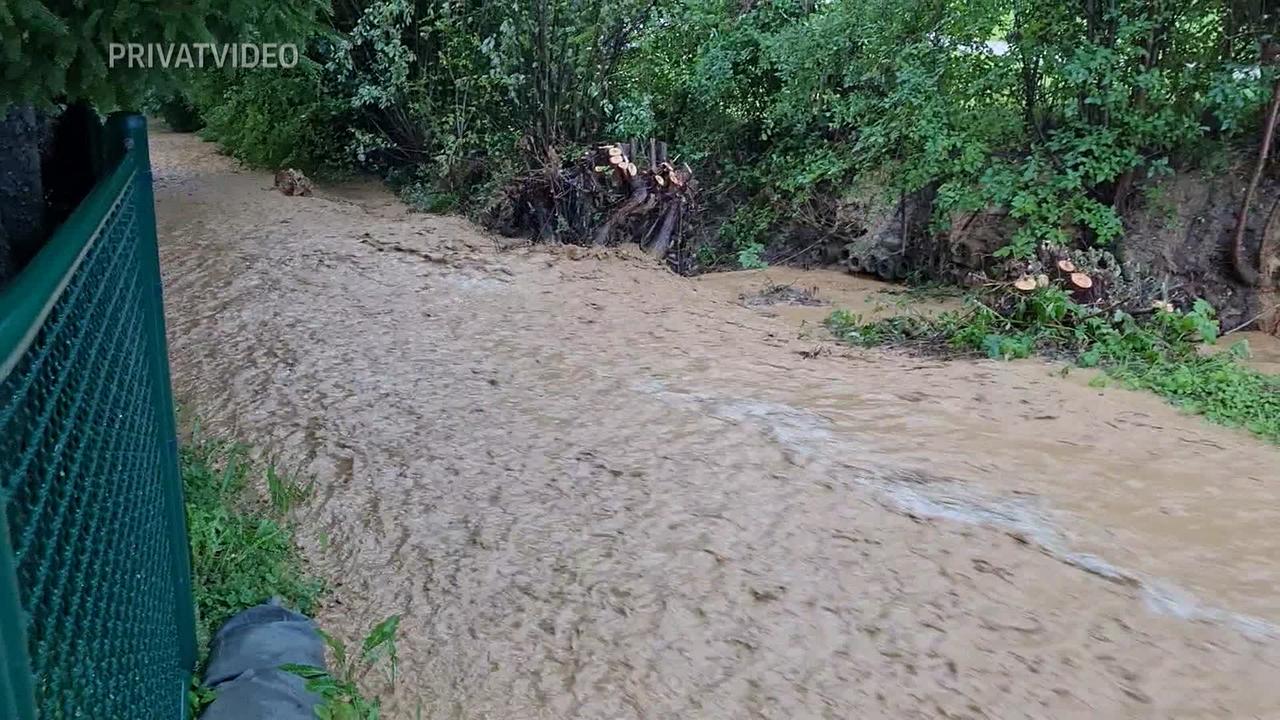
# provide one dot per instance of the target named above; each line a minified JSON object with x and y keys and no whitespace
{"x":96,"y":617}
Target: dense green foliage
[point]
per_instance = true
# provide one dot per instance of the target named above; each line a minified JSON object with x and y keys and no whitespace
{"x":1049,"y":108}
{"x":1054,"y":109}
{"x":435,"y":92}
{"x":55,"y":51}
{"x":1164,"y":352}
{"x":277,"y":119}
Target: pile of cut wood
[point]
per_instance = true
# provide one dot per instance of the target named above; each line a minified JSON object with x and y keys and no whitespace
{"x":1065,"y":273}
{"x":618,"y":192}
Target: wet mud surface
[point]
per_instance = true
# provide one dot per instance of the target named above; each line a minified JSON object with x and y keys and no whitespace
{"x":597,"y":490}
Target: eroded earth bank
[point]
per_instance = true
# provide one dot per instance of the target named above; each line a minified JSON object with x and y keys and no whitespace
{"x":597,"y":490}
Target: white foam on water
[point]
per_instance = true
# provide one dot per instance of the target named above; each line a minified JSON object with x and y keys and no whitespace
{"x":808,"y":434}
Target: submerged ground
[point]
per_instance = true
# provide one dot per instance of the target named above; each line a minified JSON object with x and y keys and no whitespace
{"x":597,"y":490}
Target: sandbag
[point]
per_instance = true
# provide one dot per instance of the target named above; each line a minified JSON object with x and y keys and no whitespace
{"x":245,"y":663}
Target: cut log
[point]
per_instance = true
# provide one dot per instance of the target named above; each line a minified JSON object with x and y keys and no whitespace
{"x":1026,"y":283}
{"x":1066,"y":266}
{"x":662,"y":240}
{"x":639,"y":194}
{"x":607,"y":195}
{"x":1080,"y":281}
{"x":1042,"y":281}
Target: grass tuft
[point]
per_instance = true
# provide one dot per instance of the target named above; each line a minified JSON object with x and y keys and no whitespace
{"x":243,"y":552}
{"x":241,"y":555}
{"x":1163,"y":351}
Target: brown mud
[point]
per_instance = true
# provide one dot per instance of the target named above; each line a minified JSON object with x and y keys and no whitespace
{"x":594,"y":489}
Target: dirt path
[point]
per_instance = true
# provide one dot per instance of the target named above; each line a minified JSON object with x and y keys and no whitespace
{"x":596,"y":490}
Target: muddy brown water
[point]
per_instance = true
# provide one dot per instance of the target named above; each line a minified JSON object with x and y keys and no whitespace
{"x":594,"y":489}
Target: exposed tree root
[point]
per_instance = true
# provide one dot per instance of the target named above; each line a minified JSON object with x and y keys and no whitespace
{"x":602,"y":198}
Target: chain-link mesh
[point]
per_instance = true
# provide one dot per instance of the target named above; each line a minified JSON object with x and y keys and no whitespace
{"x":82,"y":480}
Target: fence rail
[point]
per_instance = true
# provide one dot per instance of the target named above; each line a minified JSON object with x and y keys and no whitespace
{"x":96,"y":617}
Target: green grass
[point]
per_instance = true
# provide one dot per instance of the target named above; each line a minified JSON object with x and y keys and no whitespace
{"x":242,"y":550}
{"x":338,"y":688}
{"x":1159,"y":351}
{"x":1216,"y":386}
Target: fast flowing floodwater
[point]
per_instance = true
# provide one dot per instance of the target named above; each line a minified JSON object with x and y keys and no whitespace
{"x":597,"y":490}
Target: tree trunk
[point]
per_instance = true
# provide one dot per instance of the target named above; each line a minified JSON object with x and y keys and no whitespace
{"x":1244,"y":270}
{"x":22,"y":221}
{"x":639,"y":194}
{"x":72,"y":161}
{"x":662,"y":241}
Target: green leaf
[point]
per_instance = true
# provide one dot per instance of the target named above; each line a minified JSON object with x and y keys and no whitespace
{"x":382,"y":635}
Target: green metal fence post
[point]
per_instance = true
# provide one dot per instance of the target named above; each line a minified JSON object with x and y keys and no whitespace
{"x":131,"y":130}
{"x":17,"y":695}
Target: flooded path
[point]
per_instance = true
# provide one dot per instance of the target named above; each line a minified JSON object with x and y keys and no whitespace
{"x":597,"y":490}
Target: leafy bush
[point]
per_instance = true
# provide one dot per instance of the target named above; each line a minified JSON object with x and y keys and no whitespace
{"x":744,"y":234}
{"x":276,"y":118}
{"x":425,"y":197}
{"x":60,"y":52}
{"x":178,"y":112}
{"x":1051,"y":110}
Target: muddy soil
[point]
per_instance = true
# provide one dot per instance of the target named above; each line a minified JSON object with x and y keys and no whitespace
{"x":1181,"y":230}
{"x":597,"y":490}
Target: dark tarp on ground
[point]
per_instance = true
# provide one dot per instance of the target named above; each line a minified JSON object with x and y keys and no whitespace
{"x":245,"y":661}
